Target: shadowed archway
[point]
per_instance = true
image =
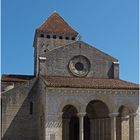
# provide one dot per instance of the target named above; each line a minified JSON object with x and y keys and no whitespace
{"x":70,"y":123}
{"x":97,"y":122}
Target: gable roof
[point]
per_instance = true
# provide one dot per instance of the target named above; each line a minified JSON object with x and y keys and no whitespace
{"x":56,"y":24}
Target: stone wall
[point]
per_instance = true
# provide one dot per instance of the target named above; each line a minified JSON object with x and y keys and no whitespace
{"x":43,"y":45}
{"x":18,"y":121}
{"x":57,"y":61}
{"x":51,"y":43}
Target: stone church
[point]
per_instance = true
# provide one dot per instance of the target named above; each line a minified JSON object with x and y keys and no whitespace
{"x":74,"y":94}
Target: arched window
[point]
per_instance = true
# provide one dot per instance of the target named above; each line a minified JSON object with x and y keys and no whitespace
{"x":54,"y":36}
{"x":73,"y":38}
{"x":123,"y":122}
{"x":41,"y":35}
{"x":67,"y":38}
{"x":48,"y":36}
{"x":60,"y":37}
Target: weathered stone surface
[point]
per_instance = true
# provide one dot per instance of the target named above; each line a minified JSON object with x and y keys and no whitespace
{"x":37,"y":110}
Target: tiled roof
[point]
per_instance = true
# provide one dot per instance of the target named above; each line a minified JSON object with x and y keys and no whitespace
{"x":56,"y":81}
{"x":56,"y":24}
{"x":90,"y":83}
{"x":16,"y":78}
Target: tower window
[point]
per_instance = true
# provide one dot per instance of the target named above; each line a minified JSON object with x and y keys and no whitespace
{"x":54,"y":36}
{"x":31,"y":108}
{"x":67,"y":38}
{"x":73,"y":38}
{"x":44,"y":50}
{"x":48,"y":36}
{"x":60,"y":37}
{"x":41,"y":35}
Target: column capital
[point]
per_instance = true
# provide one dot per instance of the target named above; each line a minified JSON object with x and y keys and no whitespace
{"x":81,"y":114}
{"x":125,"y":117}
{"x":113,"y":114}
{"x":133,"y":114}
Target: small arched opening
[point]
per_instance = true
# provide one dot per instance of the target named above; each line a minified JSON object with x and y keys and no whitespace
{"x":48,"y":36}
{"x":70,"y":123}
{"x":96,"y":122}
{"x":123,"y":123}
{"x":41,"y":35}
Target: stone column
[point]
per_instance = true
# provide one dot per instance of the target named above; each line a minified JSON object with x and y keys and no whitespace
{"x":81,"y":128}
{"x":113,"y":125}
{"x":131,"y":127}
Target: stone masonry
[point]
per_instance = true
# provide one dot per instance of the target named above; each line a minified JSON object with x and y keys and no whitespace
{"x":75,"y":93}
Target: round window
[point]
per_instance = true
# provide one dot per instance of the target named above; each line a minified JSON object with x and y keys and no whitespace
{"x":79,"y":66}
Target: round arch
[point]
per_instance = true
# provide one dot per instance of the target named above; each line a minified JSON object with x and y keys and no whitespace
{"x":128,"y":104}
{"x":72,"y":102}
{"x":97,"y":108}
{"x":124,"y":120}
{"x":97,"y":119}
{"x":106,"y":101}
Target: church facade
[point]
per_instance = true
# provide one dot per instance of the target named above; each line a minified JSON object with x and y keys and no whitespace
{"x":74,"y":94}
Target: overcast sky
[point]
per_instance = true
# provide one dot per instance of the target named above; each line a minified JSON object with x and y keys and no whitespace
{"x":109,"y":25}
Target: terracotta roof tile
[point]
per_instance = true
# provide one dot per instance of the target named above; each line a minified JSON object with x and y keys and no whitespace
{"x":16,"y":78}
{"x":90,"y":83}
{"x":56,"y":24}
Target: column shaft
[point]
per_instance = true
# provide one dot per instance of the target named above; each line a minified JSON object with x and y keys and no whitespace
{"x":81,"y":130}
{"x":113,"y":128}
{"x":113,"y":125}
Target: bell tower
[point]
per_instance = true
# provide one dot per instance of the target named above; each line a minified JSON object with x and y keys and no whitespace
{"x":53,"y":33}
